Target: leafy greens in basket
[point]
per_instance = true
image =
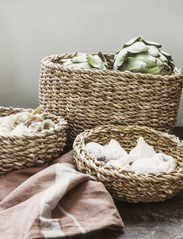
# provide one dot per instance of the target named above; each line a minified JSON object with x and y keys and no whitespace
{"x":87,"y":61}
{"x":139,"y":55}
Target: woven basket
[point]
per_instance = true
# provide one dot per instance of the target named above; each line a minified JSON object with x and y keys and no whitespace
{"x":89,"y":98}
{"x":127,"y":185}
{"x":17,"y":152}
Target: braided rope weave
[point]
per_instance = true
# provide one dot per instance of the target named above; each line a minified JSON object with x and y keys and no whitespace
{"x":17,"y":152}
{"x":127,"y":185}
{"x":87,"y":98}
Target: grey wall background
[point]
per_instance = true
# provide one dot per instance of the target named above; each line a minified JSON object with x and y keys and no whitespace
{"x":32,"y":30}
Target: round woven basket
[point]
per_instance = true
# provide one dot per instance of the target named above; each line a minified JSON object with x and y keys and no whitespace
{"x":128,"y":185}
{"x":17,"y":152}
{"x":87,"y":98}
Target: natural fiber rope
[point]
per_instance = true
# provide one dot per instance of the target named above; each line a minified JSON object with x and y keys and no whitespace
{"x":17,"y":152}
{"x":87,"y":98}
{"x":127,"y":185}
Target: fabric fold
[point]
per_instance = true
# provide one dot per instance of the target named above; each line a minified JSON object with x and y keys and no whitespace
{"x":54,"y":201}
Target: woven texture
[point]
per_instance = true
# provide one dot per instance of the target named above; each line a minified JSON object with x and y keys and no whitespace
{"x":89,"y":98}
{"x":127,"y":185}
{"x":17,"y":152}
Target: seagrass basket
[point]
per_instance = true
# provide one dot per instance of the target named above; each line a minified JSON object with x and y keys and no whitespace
{"x":87,"y":98}
{"x":17,"y":152}
{"x":128,"y":185}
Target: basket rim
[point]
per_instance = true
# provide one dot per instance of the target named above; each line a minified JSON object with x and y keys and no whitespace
{"x":79,"y":143}
{"x":60,"y":125}
{"x":47,"y":61}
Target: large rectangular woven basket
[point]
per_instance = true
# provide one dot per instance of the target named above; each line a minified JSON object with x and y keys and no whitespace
{"x":18,"y":152}
{"x":128,"y":185}
{"x":87,"y":98}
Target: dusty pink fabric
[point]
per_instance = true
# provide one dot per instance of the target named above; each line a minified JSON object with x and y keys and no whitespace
{"x":54,"y":201}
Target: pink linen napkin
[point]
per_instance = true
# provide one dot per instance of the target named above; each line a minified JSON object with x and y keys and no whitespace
{"x":54,"y":201}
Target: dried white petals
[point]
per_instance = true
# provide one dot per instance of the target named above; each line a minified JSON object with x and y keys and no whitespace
{"x":111,"y":151}
{"x":19,"y":130}
{"x":7,"y":125}
{"x":96,"y":150}
{"x":23,"y":117}
{"x":142,"y":149}
{"x":47,"y":124}
{"x":125,"y":161}
{"x":25,"y":123}
{"x":36,"y":127}
{"x":166,"y":162}
{"x":145,"y":165}
{"x":114,"y":151}
{"x":141,"y":159}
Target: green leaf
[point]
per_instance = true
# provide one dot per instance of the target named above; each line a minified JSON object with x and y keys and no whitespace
{"x":102,"y":57}
{"x":94,"y":61}
{"x":158,"y":62}
{"x":172,"y":65}
{"x":148,"y":59}
{"x":79,"y":58}
{"x":130,"y":42}
{"x":66,"y":62}
{"x":153,"y":51}
{"x":137,"y":47}
{"x":135,"y":65}
{"x":154,"y":70}
{"x":104,"y":64}
{"x":163,"y":58}
{"x":151,"y":43}
{"x":167,"y":55}
{"x":119,"y":59}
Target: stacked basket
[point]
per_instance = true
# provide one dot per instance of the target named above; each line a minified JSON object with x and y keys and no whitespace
{"x":87,"y":98}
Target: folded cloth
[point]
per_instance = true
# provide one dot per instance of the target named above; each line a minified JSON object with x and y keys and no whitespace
{"x":54,"y":201}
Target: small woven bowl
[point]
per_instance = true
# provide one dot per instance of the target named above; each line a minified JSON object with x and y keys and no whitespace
{"x":127,"y":185}
{"x":17,"y":152}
